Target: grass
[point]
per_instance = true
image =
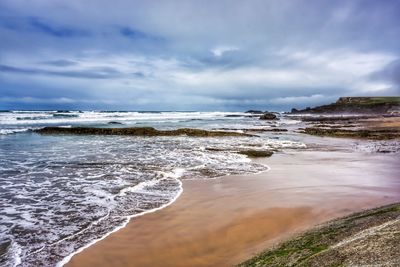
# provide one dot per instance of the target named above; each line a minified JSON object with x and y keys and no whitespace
{"x":372,"y":100}
{"x":309,"y":248}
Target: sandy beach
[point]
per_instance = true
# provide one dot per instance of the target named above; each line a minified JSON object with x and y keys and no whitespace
{"x":223,"y":221}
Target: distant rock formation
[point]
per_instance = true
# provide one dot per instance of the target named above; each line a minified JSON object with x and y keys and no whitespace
{"x":254,"y":111}
{"x":358,"y":105}
{"x":268,"y":116}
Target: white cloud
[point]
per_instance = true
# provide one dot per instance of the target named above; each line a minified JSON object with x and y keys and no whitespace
{"x":297,"y":99}
{"x":220,"y":50}
{"x":330,"y":69}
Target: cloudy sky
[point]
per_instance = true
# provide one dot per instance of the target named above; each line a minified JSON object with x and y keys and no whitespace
{"x":195,"y":55}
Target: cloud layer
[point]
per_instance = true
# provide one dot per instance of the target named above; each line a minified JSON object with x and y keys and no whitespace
{"x":195,"y":55}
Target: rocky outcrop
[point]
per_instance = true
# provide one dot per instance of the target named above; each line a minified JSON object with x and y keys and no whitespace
{"x":233,"y":116}
{"x":357,"y":105}
{"x":333,"y":119}
{"x":137,"y":131}
{"x":378,"y":134}
{"x":65,"y":115}
{"x":268,"y":116}
{"x":256,"y":153}
{"x":276,"y":130}
{"x":252,"y":111}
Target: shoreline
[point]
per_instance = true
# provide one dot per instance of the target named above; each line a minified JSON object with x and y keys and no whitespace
{"x":209,"y":239}
{"x":68,"y":258}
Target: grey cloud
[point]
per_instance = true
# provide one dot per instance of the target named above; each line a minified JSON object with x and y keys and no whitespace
{"x":55,"y":30}
{"x":103,"y":73}
{"x":60,"y":63}
{"x":37,"y":24}
{"x":390,"y":73}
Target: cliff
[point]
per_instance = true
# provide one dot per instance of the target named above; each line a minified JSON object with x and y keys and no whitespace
{"x":358,"y":105}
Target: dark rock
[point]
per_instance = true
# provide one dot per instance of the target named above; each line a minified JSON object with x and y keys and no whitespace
{"x":214,"y":149}
{"x":253,"y":129}
{"x":65,"y":115}
{"x":254,"y":111}
{"x":268,"y":116}
{"x":322,"y":119}
{"x":207,"y":172}
{"x":256,"y":153}
{"x":136,"y":131}
{"x":383,"y":134}
{"x":233,"y":116}
{"x":5,"y":246}
{"x":276,"y":130}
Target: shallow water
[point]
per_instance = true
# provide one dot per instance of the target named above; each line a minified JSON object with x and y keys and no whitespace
{"x":60,"y":193}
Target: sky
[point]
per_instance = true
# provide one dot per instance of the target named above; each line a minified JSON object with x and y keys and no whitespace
{"x":204,"y":55}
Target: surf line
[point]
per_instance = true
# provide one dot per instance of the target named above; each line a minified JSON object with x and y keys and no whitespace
{"x":66,"y":259}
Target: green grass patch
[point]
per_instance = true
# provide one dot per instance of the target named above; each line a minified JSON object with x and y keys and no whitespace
{"x":314,"y":244}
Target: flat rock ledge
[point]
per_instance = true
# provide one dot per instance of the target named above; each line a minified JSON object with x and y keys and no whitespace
{"x":137,"y":131}
{"x":256,"y":153}
{"x":379,"y":134}
{"x":368,"y":238}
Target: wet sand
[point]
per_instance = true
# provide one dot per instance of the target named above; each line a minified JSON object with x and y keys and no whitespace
{"x":223,"y":221}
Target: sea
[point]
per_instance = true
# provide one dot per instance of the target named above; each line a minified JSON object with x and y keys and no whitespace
{"x":59,"y":194}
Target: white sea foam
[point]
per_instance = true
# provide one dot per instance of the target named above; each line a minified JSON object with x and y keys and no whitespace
{"x":139,"y":187}
{"x":17,"y":254}
{"x":11,"y":131}
{"x":45,"y":117}
{"x":174,"y":175}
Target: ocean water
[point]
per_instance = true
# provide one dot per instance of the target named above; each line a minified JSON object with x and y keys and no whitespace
{"x":61,"y":193}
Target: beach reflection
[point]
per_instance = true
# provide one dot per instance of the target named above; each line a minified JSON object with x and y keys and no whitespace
{"x":224,"y":221}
